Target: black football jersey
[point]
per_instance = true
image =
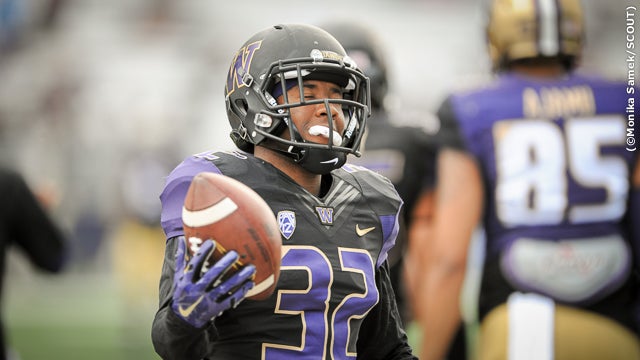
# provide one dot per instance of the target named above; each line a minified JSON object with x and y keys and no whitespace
{"x":333,"y":284}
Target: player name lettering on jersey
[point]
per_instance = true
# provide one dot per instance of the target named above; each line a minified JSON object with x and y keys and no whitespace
{"x":555,"y":102}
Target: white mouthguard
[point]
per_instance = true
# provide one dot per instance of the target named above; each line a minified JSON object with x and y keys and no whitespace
{"x":324,"y":131}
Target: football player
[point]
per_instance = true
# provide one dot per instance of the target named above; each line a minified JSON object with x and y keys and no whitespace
{"x":297,"y":105}
{"x":540,"y":157}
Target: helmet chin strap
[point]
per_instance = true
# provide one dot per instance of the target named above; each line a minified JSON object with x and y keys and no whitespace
{"x":321,"y":161}
{"x":315,"y":160}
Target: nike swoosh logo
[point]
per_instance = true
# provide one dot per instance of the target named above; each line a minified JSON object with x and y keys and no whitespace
{"x":363,"y":232}
{"x":334,"y":161}
{"x":186,"y":312}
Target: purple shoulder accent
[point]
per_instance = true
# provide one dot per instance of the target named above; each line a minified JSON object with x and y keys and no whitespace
{"x":390,"y":229}
{"x":175,"y":190}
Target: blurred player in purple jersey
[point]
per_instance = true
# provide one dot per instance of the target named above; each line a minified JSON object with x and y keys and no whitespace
{"x":540,"y":159}
{"x":297,"y":105}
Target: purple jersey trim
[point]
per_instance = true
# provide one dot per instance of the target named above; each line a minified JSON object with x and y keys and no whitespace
{"x":390,"y":229}
{"x":177,"y":185}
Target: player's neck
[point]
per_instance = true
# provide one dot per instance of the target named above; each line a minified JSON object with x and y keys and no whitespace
{"x":308,"y":180}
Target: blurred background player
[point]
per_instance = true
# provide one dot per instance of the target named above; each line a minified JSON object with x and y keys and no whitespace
{"x":26,"y":225}
{"x":540,"y":158}
{"x":403,"y":154}
{"x":297,"y":105}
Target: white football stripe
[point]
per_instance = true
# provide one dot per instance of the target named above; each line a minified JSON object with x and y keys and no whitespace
{"x":548,"y":15}
{"x":210,"y":215}
{"x":264,"y":285}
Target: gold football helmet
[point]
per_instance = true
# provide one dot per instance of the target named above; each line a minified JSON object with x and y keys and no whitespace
{"x":523,"y":29}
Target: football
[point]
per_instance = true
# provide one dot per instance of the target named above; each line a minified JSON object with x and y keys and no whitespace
{"x":223,"y":209}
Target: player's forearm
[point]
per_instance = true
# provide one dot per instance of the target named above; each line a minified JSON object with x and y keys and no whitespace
{"x":173,"y":338}
{"x":420,"y":234}
{"x":440,"y":315}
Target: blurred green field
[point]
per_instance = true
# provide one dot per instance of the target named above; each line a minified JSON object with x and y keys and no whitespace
{"x":79,"y":315}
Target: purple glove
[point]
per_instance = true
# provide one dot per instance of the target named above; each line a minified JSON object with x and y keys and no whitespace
{"x":199,"y":296}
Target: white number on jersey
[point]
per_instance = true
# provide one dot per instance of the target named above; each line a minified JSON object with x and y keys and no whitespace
{"x":534,"y":159}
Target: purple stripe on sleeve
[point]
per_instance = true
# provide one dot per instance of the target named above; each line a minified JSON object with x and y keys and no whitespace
{"x":390,"y":229}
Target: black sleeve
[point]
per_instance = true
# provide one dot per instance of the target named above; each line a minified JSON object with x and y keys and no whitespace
{"x":172,"y":337}
{"x":449,"y":133}
{"x":381,"y":334}
{"x":29,"y":226}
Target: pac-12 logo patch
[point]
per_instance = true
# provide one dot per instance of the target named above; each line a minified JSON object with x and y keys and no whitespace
{"x":287,"y":223}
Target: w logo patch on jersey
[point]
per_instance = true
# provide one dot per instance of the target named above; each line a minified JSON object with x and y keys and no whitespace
{"x":287,"y":223}
{"x":325,"y":214}
{"x":240,"y":66}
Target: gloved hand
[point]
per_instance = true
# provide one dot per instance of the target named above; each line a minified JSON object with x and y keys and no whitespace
{"x":199,"y":296}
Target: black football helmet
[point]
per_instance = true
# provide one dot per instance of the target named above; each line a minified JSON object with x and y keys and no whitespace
{"x":366,"y":48}
{"x":270,"y":63}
